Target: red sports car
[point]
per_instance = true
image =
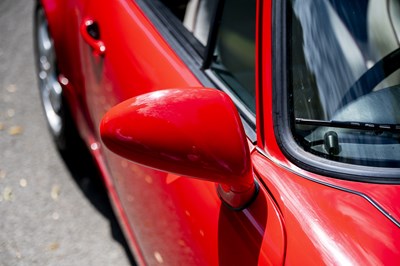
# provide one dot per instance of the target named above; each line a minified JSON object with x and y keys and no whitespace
{"x":236,"y":132}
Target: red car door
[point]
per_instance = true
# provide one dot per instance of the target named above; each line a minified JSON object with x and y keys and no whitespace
{"x":171,"y":219}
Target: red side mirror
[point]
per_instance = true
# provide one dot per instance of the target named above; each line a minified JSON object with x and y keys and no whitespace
{"x":194,"y":132}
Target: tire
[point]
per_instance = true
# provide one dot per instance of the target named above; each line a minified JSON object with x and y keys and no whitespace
{"x":57,"y":114}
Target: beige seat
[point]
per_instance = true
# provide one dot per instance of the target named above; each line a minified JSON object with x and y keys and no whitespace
{"x":198,"y":18}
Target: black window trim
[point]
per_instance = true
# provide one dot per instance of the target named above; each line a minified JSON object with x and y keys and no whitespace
{"x":283,"y":118}
{"x":174,"y":33}
{"x":194,"y":55}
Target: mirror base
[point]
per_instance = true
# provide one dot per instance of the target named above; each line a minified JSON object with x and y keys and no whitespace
{"x":237,"y":198}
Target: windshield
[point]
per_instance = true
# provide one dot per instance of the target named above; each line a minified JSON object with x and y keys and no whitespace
{"x":344,"y":62}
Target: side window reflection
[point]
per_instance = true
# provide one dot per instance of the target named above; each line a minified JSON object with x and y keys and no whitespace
{"x":235,"y":50}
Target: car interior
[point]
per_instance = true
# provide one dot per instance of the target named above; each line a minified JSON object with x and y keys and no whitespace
{"x":359,"y":35}
{"x":357,"y":42}
{"x":384,"y":33}
{"x":235,"y":52}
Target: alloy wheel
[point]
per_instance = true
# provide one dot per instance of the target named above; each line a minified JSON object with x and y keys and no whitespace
{"x":50,"y":88}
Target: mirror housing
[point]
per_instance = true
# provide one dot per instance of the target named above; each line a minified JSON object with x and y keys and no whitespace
{"x":194,"y":132}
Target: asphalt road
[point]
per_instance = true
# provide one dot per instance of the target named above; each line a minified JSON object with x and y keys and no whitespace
{"x":53,"y":209}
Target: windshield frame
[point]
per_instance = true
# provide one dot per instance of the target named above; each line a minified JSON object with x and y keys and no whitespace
{"x":284,"y":120}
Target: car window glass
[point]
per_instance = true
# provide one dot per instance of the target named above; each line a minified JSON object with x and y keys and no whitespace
{"x":195,"y":15}
{"x":226,"y":29}
{"x":234,"y":55}
{"x":343,"y":67}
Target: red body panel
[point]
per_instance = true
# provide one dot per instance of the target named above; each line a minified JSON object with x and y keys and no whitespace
{"x":298,"y":217}
{"x":325,"y":225}
{"x":330,"y":225}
